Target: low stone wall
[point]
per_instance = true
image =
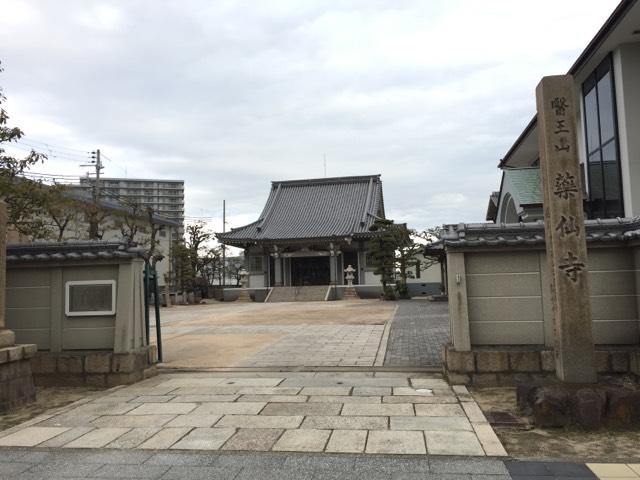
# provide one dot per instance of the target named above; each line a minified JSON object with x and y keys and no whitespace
{"x":95,"y":368}
{"x":492,"y":366}
{"x":424,"y":289}
{"x":16,"y":380}
{"x":256,"y":294}
{"x":369,"y":292}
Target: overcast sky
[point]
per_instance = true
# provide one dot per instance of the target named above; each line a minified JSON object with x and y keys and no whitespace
{"x":229,"y":95}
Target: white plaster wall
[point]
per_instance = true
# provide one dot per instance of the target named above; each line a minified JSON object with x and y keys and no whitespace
{"x":256,"y":280}
{"x":371,"y":278}
{"x":433,"y":274}
{"x":627,"y":82}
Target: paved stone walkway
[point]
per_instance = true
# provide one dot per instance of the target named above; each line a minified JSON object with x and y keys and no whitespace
{"x":321,"y":345}
{"x":418,"y":331}
{"x":353,"y":412}
{"x":298,"y":345}
{"x":56,"y":463}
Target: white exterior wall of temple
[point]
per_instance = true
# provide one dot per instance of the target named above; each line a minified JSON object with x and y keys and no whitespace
{"x":256,"y":281}
{"x":627,"y":84}
{"x":259,"y":279}
{"x":432,"y":274}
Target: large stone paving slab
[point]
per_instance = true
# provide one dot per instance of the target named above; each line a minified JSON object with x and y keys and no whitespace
{"x":189,"y":464}
{"x":321,"y":345}
{"x":351,"y":412}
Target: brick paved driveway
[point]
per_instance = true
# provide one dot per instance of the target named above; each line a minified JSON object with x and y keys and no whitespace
{"x":418,"y":331}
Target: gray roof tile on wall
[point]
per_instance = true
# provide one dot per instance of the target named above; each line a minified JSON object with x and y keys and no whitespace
{"x":532,"y":233}
{"x":315,"y":208}
{"x":73,"y":251}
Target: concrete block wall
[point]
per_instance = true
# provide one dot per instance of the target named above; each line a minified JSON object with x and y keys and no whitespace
{"x":503,"y":297}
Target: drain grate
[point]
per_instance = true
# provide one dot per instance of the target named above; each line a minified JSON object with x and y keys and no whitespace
{"x":504,"y":419}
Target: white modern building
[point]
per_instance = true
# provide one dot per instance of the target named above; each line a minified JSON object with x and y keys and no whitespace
{"x":607,"y":80}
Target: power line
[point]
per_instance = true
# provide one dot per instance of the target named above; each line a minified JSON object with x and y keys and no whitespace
{"x":49,"y":154}
{"x":55,"y":147}
{"x":50,"y":149}
{"x":52,"y":174}
{"x":116,"y":164}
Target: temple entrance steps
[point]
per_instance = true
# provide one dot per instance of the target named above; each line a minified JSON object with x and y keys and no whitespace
{"x":316,"y":293}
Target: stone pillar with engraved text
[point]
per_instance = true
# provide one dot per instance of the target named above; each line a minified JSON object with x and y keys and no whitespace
{"x":564,"y":229}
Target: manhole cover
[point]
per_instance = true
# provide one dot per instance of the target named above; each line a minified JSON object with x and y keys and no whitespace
{"x":503,"y":418}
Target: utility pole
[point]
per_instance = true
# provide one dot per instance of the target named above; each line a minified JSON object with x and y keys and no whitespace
{"x":96,"y":162}
{"x":224,"y":248}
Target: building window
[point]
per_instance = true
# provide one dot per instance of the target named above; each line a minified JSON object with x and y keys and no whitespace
{"x":90,"y":297}
{"x":254,"y":264}
{"x":369,"y":261}
{"x":601,"y":132}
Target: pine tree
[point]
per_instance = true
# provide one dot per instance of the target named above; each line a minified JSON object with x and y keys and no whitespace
{"x":382,"y":251}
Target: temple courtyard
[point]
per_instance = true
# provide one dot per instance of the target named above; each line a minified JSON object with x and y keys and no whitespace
{"x":362,"y":333}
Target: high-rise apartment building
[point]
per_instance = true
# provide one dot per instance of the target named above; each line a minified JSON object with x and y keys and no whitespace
{"x":166,"y":197}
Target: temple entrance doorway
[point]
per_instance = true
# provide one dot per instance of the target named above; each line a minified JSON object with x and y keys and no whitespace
{"x":310,"y":271}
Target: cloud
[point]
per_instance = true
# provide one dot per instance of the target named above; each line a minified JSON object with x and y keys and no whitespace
{"x":229,"y":95}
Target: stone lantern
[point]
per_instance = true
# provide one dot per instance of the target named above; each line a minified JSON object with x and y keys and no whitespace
{"x":350,"y":291}
{"x":244,"y":278}
{"x":244,"y":282}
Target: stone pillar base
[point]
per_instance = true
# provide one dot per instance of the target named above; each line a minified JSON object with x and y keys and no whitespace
{"x":244,"y":296}
{"x":16,"y":379}
{"x":350,"y":294}
{"x":7,"y":338}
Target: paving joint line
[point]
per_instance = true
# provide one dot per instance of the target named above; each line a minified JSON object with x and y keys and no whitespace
{"x":291,"y":369}
{"x":381,"y":354}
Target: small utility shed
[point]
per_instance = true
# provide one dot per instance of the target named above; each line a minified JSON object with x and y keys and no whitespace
{"x":82,"y":304}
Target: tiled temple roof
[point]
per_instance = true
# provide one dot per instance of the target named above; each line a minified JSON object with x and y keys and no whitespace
{"x":323,"y":208}
{"x":532,"y":233}
{"x":70,"y":251}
